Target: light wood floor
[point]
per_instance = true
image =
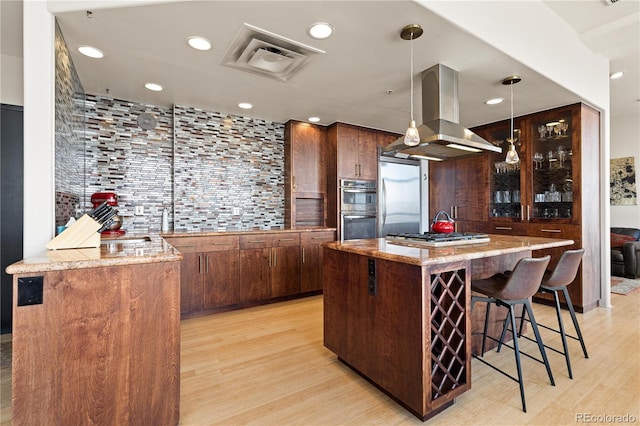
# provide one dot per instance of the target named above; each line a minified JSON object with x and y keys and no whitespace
{"x":267,"y":365}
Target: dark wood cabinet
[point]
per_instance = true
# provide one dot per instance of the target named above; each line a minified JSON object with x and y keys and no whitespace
{"x":553,"y":192}
{"x":269,"y":266}
{"x":305,"y":174}
{"x":459,"y":187}
{"x":351,"y":153}
{"x":356,"y":151}
{"x":209,"y":276}
{"x":311,"y":259}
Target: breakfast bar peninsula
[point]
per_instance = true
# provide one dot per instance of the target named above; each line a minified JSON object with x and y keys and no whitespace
{"x":399,"y":313}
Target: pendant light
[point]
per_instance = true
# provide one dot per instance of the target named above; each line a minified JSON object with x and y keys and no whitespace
{"x":411,"y":32}
{"x":512,"y":154}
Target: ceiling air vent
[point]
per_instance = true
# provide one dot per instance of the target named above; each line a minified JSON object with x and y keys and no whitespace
{"x":261,"y":52}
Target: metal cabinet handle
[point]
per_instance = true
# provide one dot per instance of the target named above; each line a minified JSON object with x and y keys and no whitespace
{"x":294,"y":182}
{"x":200,"y":264}
{"x":255,"y":242}
{"x":206,"y":264}
{"x":503,"y":228}
{"x":220,"y":244}
{"x":557,"y":231}
{"x":359,"y":169}
{"x":269,"y":262}
{"x":275,"y":258}
{"x":303,"y":255}
{"x":528,"y":213}
{"x":286,"y":239}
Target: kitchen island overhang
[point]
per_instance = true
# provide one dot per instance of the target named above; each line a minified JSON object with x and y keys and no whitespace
{"x":399,"y":314}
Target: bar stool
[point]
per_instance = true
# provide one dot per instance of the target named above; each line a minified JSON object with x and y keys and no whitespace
{"x":508,"y":291}
{"x":554,"y":282}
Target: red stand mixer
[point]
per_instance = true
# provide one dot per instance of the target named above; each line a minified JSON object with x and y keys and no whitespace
{"x":111,"y":198}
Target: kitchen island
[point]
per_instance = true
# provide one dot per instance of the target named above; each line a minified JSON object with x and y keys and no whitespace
{"x":96,"y":335}
{"x":399,"y":314}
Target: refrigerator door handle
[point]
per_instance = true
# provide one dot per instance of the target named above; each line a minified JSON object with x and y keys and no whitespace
{"x":384,"y":203}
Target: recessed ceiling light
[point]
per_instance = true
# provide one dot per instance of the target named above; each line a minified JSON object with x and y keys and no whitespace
{"x":616,"y":75}
{"x":320,"y":30}
{"x":199,"y":43}
{"x":153,"y":86}
{"x":314,"y":119}
{"x":91,"y":52}
{"x":245,"y":105}
{"x":494,"y":101}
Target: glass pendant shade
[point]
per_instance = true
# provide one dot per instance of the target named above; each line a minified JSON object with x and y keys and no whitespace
{"x":412,"y":137}
{"x":512,"y":155}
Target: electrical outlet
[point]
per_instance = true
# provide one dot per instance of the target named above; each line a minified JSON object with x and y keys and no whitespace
{"x":236,"y":211}
{"x":139,"y":210}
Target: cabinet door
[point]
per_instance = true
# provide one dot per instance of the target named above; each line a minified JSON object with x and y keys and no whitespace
{"x":507,"y":193}
{"x":285,"y":271}
{"x":307,"y":145}
{"x":459,"y":187}
{"x":347,"y":147}
{"x":255,"y":274}
{"x":367,"y":154}
{"x":190,"y":283}
{"x":221,"y":284}
{"x":471,"y":181}
{"x":311,"y":259}
{"x":552,"y":179}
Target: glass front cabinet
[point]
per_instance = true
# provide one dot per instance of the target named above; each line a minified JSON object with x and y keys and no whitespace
{"x":553,"y":192}
{"x":540,"y":187}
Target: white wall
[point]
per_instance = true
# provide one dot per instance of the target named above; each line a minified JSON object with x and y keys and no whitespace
{"x":625,"y":137}
{"x":39,"y":129}
{"x":11,"y":80}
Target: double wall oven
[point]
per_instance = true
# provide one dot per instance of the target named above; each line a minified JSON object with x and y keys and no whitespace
{"x":358,"y":209}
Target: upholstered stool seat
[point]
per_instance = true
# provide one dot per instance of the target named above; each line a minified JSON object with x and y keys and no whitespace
{"x":509,"y":291}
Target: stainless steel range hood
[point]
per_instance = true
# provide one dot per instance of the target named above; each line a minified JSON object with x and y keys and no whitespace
{"x":441,"y":136}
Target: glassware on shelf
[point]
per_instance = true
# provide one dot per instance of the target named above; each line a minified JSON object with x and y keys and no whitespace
{"x":538,"y":159}
{"x":542,"y":130}
{"x":564,"y":128}
{"x":552,"y":159}
{"x":562,"y":155}
{"x":550,"y":130}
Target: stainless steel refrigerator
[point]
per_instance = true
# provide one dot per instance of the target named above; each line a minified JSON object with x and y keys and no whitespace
{"x":402,"y":196}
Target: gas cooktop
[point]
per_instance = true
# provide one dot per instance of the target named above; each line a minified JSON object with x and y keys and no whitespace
{"x":432,"y":239}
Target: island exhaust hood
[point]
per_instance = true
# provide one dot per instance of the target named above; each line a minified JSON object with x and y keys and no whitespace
{"x":441,"y":137}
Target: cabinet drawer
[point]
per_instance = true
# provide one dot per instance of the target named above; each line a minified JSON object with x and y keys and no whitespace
{"x":231,"y":242}
{"x":318,"y":237}
{"x":554,"y":231}
{"x":507,"y":228}
{"x":256,"y":241}
{"x":200,"y":244}
{"x":286,"y":239}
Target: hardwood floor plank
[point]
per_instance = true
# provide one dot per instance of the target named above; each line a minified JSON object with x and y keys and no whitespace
{"x":267,"y":365}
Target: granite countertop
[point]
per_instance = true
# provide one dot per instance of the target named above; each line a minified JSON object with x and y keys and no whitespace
{"x":235,"y":231}
{"x":412,"y":254}
{"x":110,"y":253}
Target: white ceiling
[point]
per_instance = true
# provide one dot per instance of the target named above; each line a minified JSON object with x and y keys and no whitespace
{"x":364,"y":59}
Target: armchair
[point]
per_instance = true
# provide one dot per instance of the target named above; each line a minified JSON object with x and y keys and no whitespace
{"x":625,"y":252}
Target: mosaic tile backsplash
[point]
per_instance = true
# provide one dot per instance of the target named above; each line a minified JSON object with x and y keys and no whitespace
{"x":224,"y":163}
{"x":70,"y":138}
{"x":219,"y":163}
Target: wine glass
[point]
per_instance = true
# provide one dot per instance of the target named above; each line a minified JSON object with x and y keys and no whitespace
{"x":497,"y":166}
{"x":542,"y":130}
{"x":538,"y":159}
{"x":564,"y":127}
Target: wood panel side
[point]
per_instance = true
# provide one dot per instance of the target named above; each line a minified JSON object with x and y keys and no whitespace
{"x":102,"y":348}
